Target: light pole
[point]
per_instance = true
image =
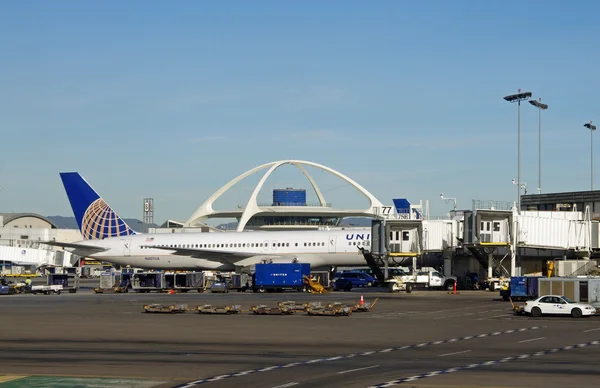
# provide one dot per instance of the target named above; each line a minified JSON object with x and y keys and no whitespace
{"x":541,"y":107}
{"x":448,"y":200}
{"x":521,"y":96}
{"x":522,"y":186}
{"x":592,"y":128}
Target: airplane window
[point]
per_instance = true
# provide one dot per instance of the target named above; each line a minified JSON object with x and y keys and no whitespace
{"x":287,"y":244}
{"x":304,"y":244}
{"x":273,"y":244}
{"x":350,"y":243}
{"x":252,"y":245}
{"x":296,"y":244}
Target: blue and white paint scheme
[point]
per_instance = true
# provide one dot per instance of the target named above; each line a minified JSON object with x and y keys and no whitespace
{"x":95,"y":218}
{"x":108,"y":238}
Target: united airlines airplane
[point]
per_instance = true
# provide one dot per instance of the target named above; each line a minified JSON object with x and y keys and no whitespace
{"x":108,"y":238}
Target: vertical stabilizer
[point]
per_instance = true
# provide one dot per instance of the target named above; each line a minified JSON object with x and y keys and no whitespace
{"x":96,"y":220}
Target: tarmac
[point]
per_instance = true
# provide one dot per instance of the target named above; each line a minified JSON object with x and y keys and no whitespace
{"x":423,"y":339}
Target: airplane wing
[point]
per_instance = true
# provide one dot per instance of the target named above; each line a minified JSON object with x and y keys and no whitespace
{"x":79,"y":249}
{"x":210,"y":254}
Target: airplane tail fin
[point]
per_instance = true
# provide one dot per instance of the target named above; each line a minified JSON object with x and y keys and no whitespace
{"x":96,"y":220}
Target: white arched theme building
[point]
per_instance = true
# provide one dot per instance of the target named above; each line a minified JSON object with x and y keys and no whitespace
{"x":284,"y":215}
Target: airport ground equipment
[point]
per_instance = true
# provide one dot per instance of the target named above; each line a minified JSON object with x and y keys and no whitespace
{"x":331,"y":309}
{"x":47,"y":290}
{"x":210,"y":309}
{"x":266,"y":310}
{"x":314,"y":287}
{"x":322,"y":277}
{"x":165,"y":309}
{"x":112,"y":290}
{"x":518,"y":309}
{"x":240,"y":282}
{"x":277,"y":277}
{"x":184,"y":281}
{"x":7,"y":289}
{"x":290,"y":304}
{"x":69,"y":282}
{"x":148,"y":281}
{"x":521,"y":288}
{"x":396,"y":284}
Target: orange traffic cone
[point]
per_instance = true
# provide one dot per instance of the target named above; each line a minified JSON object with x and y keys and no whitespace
{"x":172,"y":292}
{"x":362,"y":300}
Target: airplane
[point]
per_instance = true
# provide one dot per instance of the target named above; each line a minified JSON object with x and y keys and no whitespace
{"x":108,"y":238}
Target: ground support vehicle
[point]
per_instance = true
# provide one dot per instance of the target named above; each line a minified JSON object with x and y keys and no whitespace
{"x":266,"y":310}
{"x":47,"y":290}
{"x":277,"y":277}
{"x":165,"y":309}
{"x":520,"y":288}
{"x":430,"y":280}
{"x":293,"y":305}
{"x":332,"y":309}
{"x":396,"y":284}
{"x":314,"y":287}
{"x":210,"y":309}
{"x":113,"y":290}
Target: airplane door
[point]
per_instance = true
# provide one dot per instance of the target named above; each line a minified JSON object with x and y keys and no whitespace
{"x":332,"y":244}
{"x":126,"y":247}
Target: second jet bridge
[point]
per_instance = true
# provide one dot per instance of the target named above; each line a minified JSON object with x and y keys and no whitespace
{"x":487,"y":233}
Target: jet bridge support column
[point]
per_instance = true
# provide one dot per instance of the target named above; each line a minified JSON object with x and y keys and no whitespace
{"x":490,"y":273}
{"x":447,"y":264}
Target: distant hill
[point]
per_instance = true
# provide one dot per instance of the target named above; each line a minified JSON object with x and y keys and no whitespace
{"x":71,"y":223}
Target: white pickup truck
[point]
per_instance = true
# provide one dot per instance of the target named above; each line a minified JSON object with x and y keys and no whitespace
{"x":423,"y":279}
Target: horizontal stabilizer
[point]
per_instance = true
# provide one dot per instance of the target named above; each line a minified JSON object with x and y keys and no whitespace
{"x":80,"y":249}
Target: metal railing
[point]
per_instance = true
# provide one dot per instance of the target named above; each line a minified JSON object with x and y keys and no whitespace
{"x":484,"y":204}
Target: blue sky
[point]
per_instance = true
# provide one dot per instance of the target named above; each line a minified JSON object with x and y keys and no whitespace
{"x":173,"y":99}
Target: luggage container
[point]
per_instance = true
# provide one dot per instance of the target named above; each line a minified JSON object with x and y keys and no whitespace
{"x":240,"y":282}
{"x":69,"y":282}
{"x":148,"y":281}
{"x":184,"y":281}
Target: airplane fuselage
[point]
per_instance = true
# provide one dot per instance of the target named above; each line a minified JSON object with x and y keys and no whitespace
{"x":318,"y":248}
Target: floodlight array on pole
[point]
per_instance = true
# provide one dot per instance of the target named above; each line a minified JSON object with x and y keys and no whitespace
{"x":541,"y":107}
{"x":592,"y":128}
{"x":520,"y":96}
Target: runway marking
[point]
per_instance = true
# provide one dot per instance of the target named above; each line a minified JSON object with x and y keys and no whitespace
{"x":495,"y":316}
{"x":334,"y":358}
{"x":451,"y":354}
{"x":587,"y":331}
{"x":531,"y":340}
{"x":358,"y":369}
{"x":286,"y":385}
{"x":481,"y":364}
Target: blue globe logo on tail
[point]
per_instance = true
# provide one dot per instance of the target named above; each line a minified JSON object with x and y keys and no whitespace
{"x":95,"y":218}
{"x":100,"y":221}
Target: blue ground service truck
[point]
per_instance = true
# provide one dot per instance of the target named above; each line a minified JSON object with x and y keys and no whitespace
{"x":277,"y":277}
